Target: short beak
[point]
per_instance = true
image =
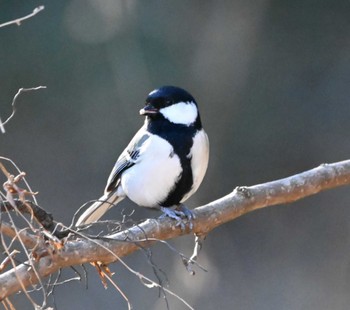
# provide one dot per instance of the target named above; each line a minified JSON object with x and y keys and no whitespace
{"x":148,"y":110}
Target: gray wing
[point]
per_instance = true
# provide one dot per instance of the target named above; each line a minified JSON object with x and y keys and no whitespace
{"x":127,"y":159}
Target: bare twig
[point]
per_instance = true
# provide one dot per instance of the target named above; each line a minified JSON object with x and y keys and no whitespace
{"x":108,"y":277}
{"x":22,"y":286}
{"x":241,"y":201}
{"x":21,"y":90}
{"x":7,"y":260}
{"x":2,"y":128}
{"x":8,"y":304}
{"x":29,"y":240}
{"x":19,"y":171}
{"x":18,"y":21}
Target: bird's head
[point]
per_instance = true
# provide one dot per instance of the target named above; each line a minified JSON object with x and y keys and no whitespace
{"x":173,"y":104}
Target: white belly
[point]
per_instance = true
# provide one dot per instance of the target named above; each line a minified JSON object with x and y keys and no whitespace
{"x":154,"y":174}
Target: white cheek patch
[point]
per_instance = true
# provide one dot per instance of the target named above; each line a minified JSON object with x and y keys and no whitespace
{"x":181,"y":113}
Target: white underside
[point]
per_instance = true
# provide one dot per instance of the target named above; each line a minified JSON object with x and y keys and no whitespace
{"x":154,"y":174}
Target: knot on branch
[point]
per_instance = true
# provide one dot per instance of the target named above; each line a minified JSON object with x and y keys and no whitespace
{"x":244,"y":191}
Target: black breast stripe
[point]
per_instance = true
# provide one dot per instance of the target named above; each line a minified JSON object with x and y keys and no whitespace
{"x":181,"y":138}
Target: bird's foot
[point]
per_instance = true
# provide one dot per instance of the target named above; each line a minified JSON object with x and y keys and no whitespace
{"x":187,"y":213}
{"x":179,"y":214}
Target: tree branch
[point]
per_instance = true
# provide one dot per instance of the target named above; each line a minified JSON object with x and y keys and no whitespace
{"x":18,"y":21}
{"x":239,"y":202}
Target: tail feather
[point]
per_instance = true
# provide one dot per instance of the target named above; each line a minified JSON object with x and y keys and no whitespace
{"x":97,"y":209}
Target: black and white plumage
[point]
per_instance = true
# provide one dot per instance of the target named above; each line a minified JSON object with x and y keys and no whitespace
{"x":164,"y":163}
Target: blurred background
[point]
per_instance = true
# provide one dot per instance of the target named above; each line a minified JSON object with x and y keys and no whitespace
{"x":272,"y":81}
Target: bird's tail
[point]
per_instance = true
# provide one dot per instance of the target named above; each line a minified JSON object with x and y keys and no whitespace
{"x":97,"y":209}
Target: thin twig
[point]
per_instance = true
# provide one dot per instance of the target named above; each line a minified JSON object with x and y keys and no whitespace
{"x":143,"y":279}
{"x":17,"y":275}
{"x":31,"y":263}
{"x":29,"y":240}
{"x":7,"y":260}
{"x":19,"y":172}
{"x":18,"y":21}
{"x":119,"y":290}
{"x":9,"y":303}
{"x":21,"y":90}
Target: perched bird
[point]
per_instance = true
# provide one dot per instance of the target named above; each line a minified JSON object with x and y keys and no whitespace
{"x":164,"y":163}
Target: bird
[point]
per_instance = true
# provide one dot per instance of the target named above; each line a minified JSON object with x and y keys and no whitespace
{"x":164,"y":163}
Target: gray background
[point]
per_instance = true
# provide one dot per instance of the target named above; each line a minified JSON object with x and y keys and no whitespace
{"x":272,"y":81}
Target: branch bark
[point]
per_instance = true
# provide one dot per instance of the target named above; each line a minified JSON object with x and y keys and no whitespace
{"x":239,"y":202}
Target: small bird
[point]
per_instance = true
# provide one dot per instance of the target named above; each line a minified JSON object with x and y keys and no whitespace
{"x":164,"y":163}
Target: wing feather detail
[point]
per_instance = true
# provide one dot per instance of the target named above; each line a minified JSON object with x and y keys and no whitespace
{"x":127,"y":159}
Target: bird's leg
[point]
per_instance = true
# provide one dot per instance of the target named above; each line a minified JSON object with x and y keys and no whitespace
{"x":178,"y":214}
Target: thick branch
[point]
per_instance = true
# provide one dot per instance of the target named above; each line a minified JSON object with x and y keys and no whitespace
{"x":241,"y":201}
